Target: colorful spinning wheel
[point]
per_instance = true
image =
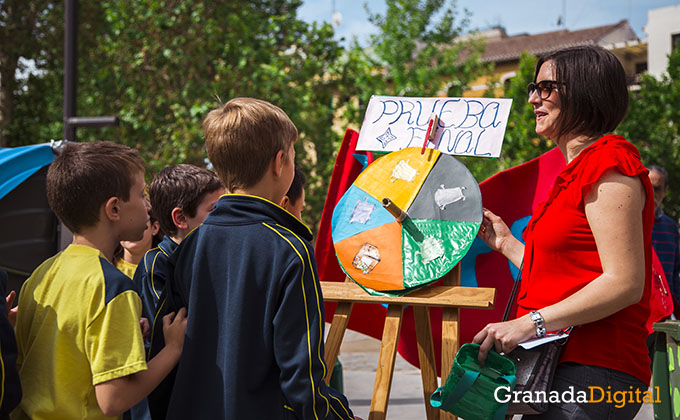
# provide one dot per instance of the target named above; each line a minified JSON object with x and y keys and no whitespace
{"x":440,"y":207}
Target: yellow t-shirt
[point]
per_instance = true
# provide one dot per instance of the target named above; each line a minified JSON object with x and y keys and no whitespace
{"x":78,"y":326}
{"x":126,"y":268}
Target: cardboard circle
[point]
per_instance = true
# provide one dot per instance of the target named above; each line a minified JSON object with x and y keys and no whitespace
{"x":444,"y":207}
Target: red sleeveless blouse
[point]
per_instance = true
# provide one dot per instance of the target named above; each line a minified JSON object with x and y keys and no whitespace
{"x":560,"y":257}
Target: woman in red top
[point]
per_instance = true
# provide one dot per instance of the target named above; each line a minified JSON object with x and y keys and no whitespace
{"x":587,"y":258}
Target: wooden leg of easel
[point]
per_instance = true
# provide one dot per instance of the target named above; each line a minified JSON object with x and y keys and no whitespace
{"x":385,"y":371}
{"x":335,"y":336}
{"x":449,"y":346}
{"x":428,"y":368}
{"x":450,"y":333}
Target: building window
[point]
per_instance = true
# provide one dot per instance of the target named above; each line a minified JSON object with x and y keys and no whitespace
{"x":506,"y":79}
{"x":675,"y":41}
{"x":640,"y":67}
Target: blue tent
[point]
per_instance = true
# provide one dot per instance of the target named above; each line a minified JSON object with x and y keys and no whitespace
{"x":29,"y":230}
{"x":19,"y":163}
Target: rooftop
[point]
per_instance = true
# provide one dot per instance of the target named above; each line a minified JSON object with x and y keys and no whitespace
{"x":507,"y":48}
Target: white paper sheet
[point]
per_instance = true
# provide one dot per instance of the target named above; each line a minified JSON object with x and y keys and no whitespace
{"x":467,"y":126}
{"x":535,"y":342}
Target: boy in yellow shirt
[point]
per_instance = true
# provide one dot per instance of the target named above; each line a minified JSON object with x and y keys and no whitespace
{"x":81,"y":354}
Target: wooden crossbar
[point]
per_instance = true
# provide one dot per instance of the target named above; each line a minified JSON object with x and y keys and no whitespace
{"x":450,"y":297}
{"x":441,"y":296}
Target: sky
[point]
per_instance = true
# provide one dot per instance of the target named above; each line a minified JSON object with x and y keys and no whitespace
{"x":517,"y":16}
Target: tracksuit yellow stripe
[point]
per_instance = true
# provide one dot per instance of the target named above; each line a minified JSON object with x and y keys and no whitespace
{"x":270,"y":202}
{"x":309,"y":344}
{"x":318,"y":305}
{"x":153,"y":286}
{"x":146,"y":267}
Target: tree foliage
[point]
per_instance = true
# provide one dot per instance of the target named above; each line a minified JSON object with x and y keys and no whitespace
{"x":415,"y":52}
{"x":161,"y":65}
{"x":520,"y":143}
{"x":22,"y":34}
{"x":653,"y":125}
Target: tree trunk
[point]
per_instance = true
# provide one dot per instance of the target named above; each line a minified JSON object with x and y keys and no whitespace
{"x":7,"y":84}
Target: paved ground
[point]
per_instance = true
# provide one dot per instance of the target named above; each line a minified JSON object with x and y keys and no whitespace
{"x":359,"y":357}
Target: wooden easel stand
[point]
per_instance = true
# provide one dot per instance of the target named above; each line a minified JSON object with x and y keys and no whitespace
{"x":450,"y":297}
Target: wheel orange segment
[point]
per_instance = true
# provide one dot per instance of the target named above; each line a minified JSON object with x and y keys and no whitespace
{"x":374,"y":257}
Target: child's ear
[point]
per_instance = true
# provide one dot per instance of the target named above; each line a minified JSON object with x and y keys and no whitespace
{"x":179,"y":219}
{"x":112,"y":209}
{"x":278,"y":161}
{"x":155,"y":227}
{"x":285,"y":202}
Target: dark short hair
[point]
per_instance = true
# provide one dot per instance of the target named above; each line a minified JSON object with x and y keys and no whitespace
{"x":83,"y":176}
{"x":594,"y":97}
{"x":243,"y":136}
{"x":295,"y":191}
{"x":182,"y":186}
{"x":660,"y":170}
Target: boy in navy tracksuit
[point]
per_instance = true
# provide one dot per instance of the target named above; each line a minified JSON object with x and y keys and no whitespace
{"x":294,"y":200}
{"x":181,"y":197}
{"x":254,"y":342}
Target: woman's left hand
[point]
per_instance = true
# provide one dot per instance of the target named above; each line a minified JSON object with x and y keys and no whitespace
{"x":503,"y":336}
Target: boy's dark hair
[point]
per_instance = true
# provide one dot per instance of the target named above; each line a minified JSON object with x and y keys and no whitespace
{"x":594,"y":94}
{"x":85,"y":175}
{"x":243,"y":136}
{"x":182,"y":186}
{"x":295,"y":191}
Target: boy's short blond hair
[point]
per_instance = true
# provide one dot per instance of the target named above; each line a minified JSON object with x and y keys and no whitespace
{"x":243,"y":136}
{"x":84,"y":176}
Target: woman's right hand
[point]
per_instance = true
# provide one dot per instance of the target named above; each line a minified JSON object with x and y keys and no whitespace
{"x":494,"y":232}
{"x":503,"y":336}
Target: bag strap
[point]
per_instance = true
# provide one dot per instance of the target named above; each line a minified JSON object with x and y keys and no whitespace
{"x":463,"y":385}
{"x":465,"y":382}
{"x":500,"y":412}
{"x":513,"y":298}
{"x":513,"y":294}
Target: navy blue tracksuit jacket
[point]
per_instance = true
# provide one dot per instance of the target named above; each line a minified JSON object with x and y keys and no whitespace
{"x":151,"y":275}
{"x":254,"y":341}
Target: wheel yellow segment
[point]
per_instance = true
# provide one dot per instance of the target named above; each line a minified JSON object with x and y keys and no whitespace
{"x":398,"y":176}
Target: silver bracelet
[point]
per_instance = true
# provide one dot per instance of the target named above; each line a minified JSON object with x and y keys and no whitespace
{"x":539,"y":323}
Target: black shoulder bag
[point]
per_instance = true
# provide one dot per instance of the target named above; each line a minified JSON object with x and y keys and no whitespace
{"x":535,"y":367}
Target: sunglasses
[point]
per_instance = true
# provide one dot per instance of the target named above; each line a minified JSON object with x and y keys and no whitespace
{"x":544,"y":88}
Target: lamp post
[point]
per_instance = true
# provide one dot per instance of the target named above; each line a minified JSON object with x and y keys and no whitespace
{"x":71,"y":122}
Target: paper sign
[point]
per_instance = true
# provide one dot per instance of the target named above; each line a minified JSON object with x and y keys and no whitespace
{"x":467,"y":126}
